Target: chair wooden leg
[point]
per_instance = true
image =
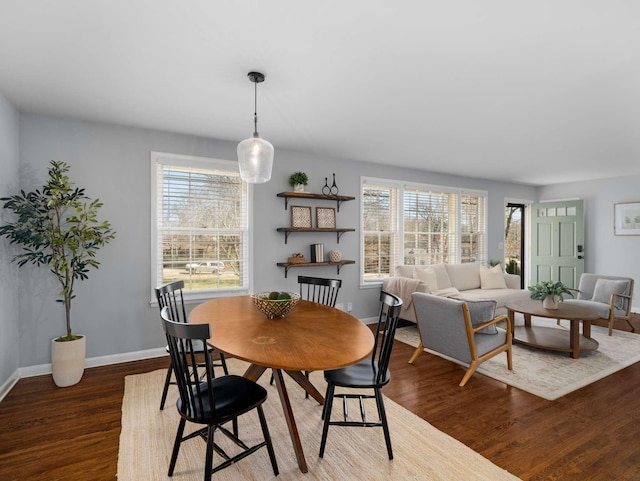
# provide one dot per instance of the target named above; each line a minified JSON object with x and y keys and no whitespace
{"x":633,"y":329}
{"x":416,"y":353}
{"x":306,"y":394}
{"x":167,"y":381}
{"x":208,"y":461}
{"x":267,"y":439}
{"x":223,"y":361}
{"x":176,"y":446}
{"x":326,"y":413}
{"x":509,"y":359}
{"x":611,"y":327}
{"x":472,"y":368}
{"x":383,"y":419}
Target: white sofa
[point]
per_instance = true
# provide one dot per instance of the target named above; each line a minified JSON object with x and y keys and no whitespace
{"x":469,"y":281}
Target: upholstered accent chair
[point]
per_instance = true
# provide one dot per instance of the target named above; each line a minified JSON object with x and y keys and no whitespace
{"x":611,"y":296}
{"x":465,"y":331}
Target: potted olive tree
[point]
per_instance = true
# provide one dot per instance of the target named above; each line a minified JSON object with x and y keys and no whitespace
{"x":57,"y":228}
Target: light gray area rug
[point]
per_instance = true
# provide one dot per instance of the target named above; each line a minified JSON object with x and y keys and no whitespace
{"x":549,"y":374}
{"x":421,"y":452}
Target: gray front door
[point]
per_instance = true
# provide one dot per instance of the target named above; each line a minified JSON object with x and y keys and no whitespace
{"x":557,"y":242}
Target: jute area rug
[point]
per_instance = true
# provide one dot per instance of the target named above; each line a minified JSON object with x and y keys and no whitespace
{"x":420,"y":451}
{"x":551,"y":375}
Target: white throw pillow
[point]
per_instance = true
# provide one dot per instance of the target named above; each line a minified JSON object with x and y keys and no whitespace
{"x":428,"y":276}
{"x":492,"y":278}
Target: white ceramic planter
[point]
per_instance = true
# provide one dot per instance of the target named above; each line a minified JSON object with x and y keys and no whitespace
{"x":298,"y":188}
{"x":67,"y":361}
{"x":550,"y":302}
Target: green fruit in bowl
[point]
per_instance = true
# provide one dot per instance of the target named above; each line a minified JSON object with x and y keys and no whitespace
{"x":284,"y":296}
{"x":274,"y":295}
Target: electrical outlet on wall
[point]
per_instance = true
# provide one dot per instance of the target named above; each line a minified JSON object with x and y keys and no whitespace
{"x":349,"y":306}
{"x":340,"y":306}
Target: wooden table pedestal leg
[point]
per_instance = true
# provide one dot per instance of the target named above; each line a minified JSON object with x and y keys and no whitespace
{"x":291,"y":422}
{"x":574,"y":343}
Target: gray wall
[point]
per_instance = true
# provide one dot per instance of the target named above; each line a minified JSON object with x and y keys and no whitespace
{"x":605,"y":253}
{"x":9,"y":320}
{"x":112,"y":163}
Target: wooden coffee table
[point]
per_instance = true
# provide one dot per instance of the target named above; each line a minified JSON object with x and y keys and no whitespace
{"x":549,"y":337}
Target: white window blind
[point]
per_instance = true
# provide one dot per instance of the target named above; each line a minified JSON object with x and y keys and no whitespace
{"x":419,"y":225}
{"x":380,"y":234}
{"x":201,"y":224}
{"x":473,"y":228}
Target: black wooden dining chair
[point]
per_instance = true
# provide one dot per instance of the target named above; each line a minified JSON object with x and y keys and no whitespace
{"x":320,"y":290}
{"x":209,"y":400}
{"x":170,"y":296}
{"x":371,"y":373}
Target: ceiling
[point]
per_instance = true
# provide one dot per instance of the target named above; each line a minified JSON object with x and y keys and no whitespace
{"x":531,"y":92}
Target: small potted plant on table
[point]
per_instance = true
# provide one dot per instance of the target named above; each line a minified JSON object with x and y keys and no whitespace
{"x":550,"y":293}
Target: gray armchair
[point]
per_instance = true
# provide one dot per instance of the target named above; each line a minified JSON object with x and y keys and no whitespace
{"x":463,"y":330}
{"x":610,"y":296}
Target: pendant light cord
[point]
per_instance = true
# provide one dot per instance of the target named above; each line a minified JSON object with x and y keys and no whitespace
{"x":255,"y":109}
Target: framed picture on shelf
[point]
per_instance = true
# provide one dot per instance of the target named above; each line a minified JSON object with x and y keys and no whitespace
{"x":325,"y":218}
{"x":626,"y":218}
{"x":301,"y":216}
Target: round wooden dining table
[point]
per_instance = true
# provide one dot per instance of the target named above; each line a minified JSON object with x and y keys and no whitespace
{"x":311,"y":337}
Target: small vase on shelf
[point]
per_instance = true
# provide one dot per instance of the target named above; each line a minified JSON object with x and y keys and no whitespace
{"x":335,"y":256}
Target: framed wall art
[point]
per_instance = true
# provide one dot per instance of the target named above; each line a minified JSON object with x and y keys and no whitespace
{"x":626,"y":218}
{"x":325,"y":218}
{"x":301,"y":216}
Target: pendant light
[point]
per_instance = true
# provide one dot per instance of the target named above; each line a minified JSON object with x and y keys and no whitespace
{"x":255,"y":155}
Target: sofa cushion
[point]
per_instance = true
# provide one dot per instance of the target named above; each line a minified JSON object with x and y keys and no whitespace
{"x":442,"y":277}
{"x":428,"y":276}
{"x":492,"y":278}
{"x":448,"y":292}
{"x":605,"y":287}
{"x":601,"y":308}
{"x":404,"y":271}
{"x":463,"y":276}
{"x":501,"y":296}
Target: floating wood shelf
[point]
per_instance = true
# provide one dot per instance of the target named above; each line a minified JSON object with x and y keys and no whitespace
{"x":289,"y":230}
{"x":339,"y":199}
{"x":289,"y":265}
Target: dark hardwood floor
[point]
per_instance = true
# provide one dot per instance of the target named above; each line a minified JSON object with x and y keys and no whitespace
{"x":47,"y":433}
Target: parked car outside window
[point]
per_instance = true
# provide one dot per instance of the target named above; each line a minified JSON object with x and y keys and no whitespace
{"x":205,"y":267}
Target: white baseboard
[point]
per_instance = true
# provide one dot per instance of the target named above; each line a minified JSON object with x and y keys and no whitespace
{"x":369,"y":320}
{"x":9,"y":383}
{"x":41,"y":369}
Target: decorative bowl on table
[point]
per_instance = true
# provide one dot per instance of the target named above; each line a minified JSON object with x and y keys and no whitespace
{"x":275,"y":304}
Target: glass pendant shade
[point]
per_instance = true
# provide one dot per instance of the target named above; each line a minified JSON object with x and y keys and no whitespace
{"x":255,"y":155}
{"x":255,"y":158}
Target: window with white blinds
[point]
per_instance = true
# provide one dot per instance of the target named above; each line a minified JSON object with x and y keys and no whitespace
{"x":200,"y":226}
{"x":419,"y":225}
{"x":379,"y":230}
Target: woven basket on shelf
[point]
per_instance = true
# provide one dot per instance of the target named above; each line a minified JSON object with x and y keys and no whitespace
{"x":275,"y":307}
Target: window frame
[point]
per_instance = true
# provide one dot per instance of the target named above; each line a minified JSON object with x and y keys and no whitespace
{"x":399,"y":236}
{"x":159,"y":159}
